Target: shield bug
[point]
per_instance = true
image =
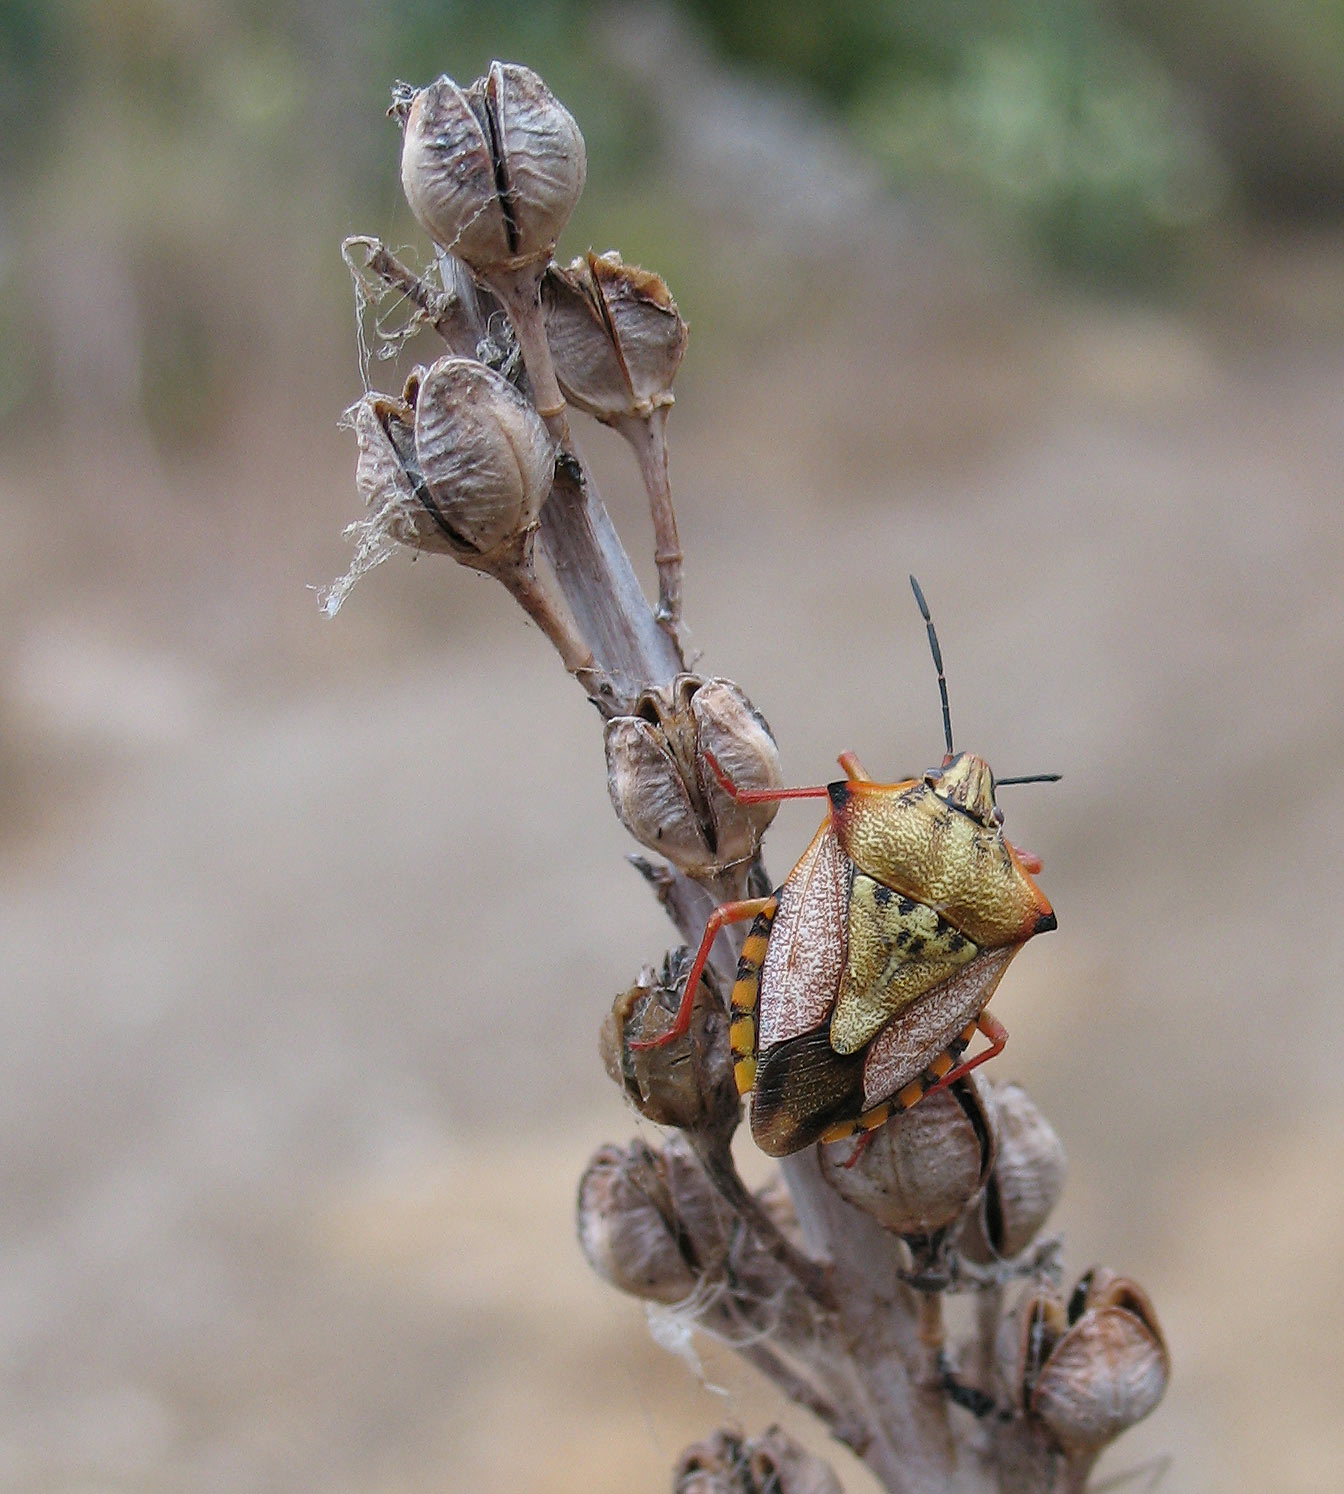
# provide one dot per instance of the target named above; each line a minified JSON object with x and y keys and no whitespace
{"x":866,"y":975}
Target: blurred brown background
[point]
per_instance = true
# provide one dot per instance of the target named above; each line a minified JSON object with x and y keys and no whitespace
{"x":308,"y":926}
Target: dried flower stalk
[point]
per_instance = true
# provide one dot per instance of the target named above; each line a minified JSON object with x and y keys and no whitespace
{"x":835,"y":1281}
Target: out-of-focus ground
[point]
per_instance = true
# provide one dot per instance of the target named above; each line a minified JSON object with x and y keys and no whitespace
{"x":308,"y":926}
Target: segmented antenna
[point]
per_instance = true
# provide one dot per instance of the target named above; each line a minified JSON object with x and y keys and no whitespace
{"x":1030,"y":778}
{"x":937,"y":664}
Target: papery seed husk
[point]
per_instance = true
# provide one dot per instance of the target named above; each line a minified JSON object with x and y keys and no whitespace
{"x":1107,"y":1372}
{"x":650,"y":796}
{"x":1025,"y":1339}
{"x":484,"y":455}
{"x":778,"y":1462}
{"x":448,"y":173}
{"x":626,"y":1224}
{"x":545,"y":162}
{"x":615,"y":334}
{"x":385,"y":437}
{"x":1026,"y":1181}
{"x":916,"y":1174}
{"x":730,"y":727}
{"x":649,"y":330}
{"x":687,"y":1083}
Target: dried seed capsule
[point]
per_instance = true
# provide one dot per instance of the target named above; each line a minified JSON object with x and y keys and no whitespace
{"x":1089,"y":1370}
{"x":665,"y":792}
{"x":650,"y":1222}
{"x":773,"y":1463}
{"x":916,"y":1174}
{"x":385,"y":434}
{"x":461,"y":464}
{"x":485,"y":458}
{"x":1024,"y":1184}
{"x":616,"y":340}
{"x":493,"y":171}
{"x":688,"y":1082}
{"x":615,"y":334}
{"x":627,"y":1225}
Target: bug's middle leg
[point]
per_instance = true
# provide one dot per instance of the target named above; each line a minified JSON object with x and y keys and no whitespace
{"x":725,"y":914}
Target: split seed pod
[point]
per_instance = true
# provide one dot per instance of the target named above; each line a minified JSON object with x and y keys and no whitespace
{"x":773,"y":1463}
{"x":687,"y":1083}
{"x":665,"y":792}
{"x":650,"y":1221}
{"x":1025,"y":1183}
{"x":616,"y":341}
{"x":461,"y":464}
{"x":1089,"y":1369}
{"x":916,"y":1174}
{"x":492,"y":171}
{"x":615,"y":334}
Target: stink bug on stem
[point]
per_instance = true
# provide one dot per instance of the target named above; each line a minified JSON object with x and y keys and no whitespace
{"x":866,"y":975}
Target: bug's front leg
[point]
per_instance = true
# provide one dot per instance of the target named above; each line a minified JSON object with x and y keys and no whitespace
{"x":767,"y":796}
{"x":723,"y":915}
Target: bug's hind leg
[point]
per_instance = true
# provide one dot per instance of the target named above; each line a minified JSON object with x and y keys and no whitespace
{"x":943,"y":1071}
{"x":992,"y":1028}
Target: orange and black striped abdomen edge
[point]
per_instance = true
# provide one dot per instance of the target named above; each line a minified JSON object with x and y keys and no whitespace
{"x":746,"y":996}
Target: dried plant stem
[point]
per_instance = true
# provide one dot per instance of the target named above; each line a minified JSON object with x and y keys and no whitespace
{"x":830,"y":1311}
{"x":647,"y":435}
{"x":717,"y":1160}
{"x":540,"y":604}
{"x":519,"y":292}
{"x":367,"y":256}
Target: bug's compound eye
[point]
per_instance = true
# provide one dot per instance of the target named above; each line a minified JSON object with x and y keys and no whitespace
{"x":997,"y":815}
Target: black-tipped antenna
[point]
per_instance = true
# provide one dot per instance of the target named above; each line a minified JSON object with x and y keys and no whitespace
{"x":937,"y":663}
{"x":1030,"y":778}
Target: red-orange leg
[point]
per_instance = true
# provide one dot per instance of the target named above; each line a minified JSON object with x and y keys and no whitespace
{"x":723,"y":915}
{"x":760,"y":796}
{"x":997,"y":1034}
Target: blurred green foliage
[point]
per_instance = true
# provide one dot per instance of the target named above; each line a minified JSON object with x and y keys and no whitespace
{"x":1046,"y":112}
{"x":207,"y":155}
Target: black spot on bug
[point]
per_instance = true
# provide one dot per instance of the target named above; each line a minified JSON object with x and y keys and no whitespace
{"x":915,"y":948}
{"x":839,"y":793}
{"x":956,"y":941}
{"x":903,"y":938}
{"x":882,"y":895}
{"x":1045,"y":923}
{"x":906,"y":906}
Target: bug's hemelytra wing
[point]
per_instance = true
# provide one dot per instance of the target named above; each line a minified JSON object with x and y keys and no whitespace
{"x":802,"y":1086}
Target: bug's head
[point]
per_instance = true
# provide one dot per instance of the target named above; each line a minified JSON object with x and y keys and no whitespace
{"x":965,"y":782}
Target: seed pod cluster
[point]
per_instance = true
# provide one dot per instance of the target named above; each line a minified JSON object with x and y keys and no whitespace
{"x":664,"y":790}
{"x":1088,"y":1368}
